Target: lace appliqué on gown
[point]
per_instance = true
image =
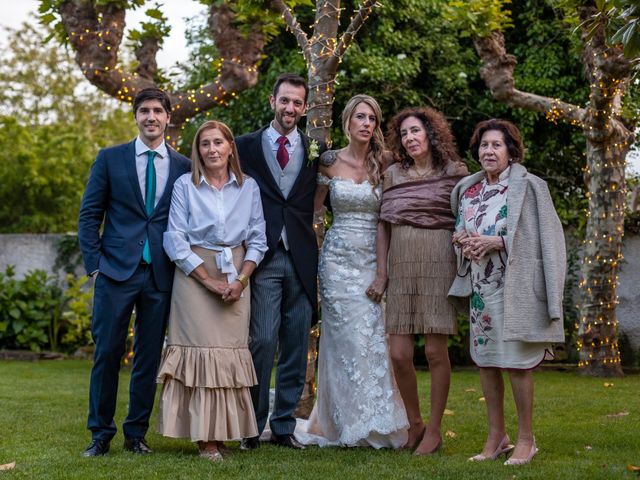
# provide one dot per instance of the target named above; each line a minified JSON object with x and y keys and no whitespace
{"x":358,"y":401}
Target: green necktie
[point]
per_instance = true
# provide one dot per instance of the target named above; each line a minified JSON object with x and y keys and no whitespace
{"x":150,"y":198}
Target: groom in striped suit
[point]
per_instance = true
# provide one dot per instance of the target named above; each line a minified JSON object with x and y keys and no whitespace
{"x":283,"y":287}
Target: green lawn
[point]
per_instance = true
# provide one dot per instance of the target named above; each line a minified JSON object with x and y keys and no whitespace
{"x":43,"y":414}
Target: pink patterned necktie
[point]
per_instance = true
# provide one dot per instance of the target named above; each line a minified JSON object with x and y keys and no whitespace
{"x":282,"y":155}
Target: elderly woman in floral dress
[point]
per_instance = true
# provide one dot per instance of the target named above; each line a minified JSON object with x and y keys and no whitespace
{"x":512,"y":266}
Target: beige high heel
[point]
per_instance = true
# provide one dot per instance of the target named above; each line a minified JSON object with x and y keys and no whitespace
{"x":524,"y":461}
{"x":214,"y":456}
{"x":503,"y":448}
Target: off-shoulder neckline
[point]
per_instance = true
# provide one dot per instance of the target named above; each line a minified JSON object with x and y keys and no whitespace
{"x":338,"y":177}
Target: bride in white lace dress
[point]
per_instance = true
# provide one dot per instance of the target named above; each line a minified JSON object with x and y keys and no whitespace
{"x":358,"y":401}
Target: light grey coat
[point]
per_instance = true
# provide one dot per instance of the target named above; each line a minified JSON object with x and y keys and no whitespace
{"x":535,"y":272}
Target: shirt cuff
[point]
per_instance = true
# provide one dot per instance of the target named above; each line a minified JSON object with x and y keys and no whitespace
{"x":254,"y":256}
{"x":190,"y":263}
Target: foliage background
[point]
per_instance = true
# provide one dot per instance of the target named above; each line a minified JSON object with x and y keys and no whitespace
{"x":52,"y":123}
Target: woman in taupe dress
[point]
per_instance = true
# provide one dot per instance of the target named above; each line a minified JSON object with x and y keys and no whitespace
{"x":421,"y":261}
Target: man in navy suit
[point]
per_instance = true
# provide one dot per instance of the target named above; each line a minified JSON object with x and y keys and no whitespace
{"x":129,"y":190}
{"x":283,"y":287}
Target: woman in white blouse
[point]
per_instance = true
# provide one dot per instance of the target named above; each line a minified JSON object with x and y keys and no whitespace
{"x":216,"y":237}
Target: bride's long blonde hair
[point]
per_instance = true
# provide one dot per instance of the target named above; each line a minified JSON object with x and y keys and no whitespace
{"x":375,"y":152}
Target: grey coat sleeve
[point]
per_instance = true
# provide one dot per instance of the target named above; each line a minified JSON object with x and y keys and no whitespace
{"x":554,"y":257}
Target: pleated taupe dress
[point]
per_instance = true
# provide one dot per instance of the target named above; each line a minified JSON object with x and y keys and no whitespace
{"x":421,"y":262}
{"x":207,"y":367}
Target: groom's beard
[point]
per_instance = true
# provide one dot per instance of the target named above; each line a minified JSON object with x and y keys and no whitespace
{"x":287,"y":122}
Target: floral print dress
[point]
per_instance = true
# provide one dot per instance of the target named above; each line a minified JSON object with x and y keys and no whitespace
{"x":483,"y":210}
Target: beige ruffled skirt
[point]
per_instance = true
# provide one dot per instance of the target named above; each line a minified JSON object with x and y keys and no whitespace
{"x":207,"y":369}
{"x":421,"y":269}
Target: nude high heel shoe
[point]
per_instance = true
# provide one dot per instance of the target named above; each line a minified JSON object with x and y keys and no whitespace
{"x":503,"y":448}
{"x":524,"y":461}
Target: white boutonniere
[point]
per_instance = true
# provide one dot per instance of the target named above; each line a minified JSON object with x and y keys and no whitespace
{"x":312,"y":153}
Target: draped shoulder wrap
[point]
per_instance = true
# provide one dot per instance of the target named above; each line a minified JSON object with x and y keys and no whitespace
{"x":421,"y":203}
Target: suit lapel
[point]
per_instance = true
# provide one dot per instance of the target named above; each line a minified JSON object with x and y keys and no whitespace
{"x":515,"y":198}
{"x":130,"y":161}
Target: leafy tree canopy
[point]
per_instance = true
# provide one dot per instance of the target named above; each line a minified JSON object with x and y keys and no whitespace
{"x":52,"y":123}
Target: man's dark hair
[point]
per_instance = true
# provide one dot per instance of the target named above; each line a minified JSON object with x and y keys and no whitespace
{"x":293,"y":79}
{"x":152,"y":93}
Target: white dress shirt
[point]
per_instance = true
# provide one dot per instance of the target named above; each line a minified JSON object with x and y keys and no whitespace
{"x":293,"y":136}
{"x":161,"y":162}
{"x":217,"y":220}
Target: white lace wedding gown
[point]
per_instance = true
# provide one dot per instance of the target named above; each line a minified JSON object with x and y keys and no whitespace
{"x":358,"y":402}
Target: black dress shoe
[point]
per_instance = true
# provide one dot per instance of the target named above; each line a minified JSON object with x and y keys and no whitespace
{"x":96,"y":448}
{"x":250,"y":443}
{"x":288,"y":441}
{"x":137,"y":445}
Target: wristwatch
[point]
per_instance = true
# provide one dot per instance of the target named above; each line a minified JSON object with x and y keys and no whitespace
{"x":243,"y":279}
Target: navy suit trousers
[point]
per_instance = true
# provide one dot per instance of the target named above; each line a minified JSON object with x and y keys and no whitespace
{"x":113,"y":305}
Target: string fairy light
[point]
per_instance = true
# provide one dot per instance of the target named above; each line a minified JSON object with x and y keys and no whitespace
{"x":597,"y":327}
{"x":323,"y":54}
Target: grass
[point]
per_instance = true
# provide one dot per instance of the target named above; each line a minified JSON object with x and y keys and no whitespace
{"x":43,"y":415}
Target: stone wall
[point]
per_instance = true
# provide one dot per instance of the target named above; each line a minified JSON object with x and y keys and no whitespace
{"x":31,"y":252}
{"x":628,"y":311}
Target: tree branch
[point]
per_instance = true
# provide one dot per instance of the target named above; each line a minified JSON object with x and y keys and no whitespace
{"x":497,"y":73}
{"x":356,"y":23}
{"x":292,"y":22}
{"x":146,"y":53}
{"x":95,"y":33}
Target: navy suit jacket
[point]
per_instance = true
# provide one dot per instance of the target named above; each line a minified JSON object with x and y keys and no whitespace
{"x":294,"y":212}
{"x":113,"y":194}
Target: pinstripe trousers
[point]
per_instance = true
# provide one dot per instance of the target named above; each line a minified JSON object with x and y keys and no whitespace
{"x":280,"y":320}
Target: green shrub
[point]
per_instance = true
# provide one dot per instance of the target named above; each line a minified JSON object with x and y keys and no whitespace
{"x":36,"y":313}
{"x":29,"y":310}
{"x":75,"y":325}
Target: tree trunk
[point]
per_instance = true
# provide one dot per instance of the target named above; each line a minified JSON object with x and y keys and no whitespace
{"x":598,"y":330}
{"x":322,"y":69}
{"x":607,"y":146}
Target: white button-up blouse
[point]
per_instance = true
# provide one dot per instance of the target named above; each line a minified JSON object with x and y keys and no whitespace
{"x":203,"y":216}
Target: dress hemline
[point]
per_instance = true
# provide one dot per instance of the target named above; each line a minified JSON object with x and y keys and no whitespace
{"x":544,"y":357}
